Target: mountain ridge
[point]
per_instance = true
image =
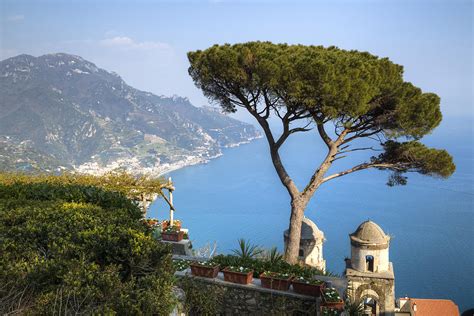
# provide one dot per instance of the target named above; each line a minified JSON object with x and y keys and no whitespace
{"x":60,"y":111}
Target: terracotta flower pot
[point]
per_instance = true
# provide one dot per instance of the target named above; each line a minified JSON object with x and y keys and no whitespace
{"x":338,"y":305}
{"x":274,"y":283}
{"x":238,"y":277}
{"x":203,"y":271}
{"x":173,"y":236}
{"x":334,"y":305}
{"x":307,"y":289}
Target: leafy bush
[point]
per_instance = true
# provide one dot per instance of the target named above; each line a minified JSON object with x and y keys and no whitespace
{"x":247,"y":250}
{"x":201,"y":299}
{"x":69,"y":248}
{"x":259,"y":265}
{"x":311,"y":281}
{"x":354,"y":308}
{"x":328,"y":311}
{"x":181,"y":264}
{"x":272,"y":255}
{"x":122,"y":182}
{"x":331,"y":295}
{"x":69,"y":193}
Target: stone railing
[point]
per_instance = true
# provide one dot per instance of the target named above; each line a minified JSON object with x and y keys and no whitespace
{"x":253,"y":299}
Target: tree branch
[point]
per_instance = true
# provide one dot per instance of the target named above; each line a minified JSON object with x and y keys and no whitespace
{"x":322,"y":132}
{"x":333,"y":148}
{"x":356,"y":149}
{"x":287,"y":131}
{"x":361,"y":135}
{"x":300,"y":129}
{"x":362,"y":166}
{"x":285,"y":179}
{"x":300,"y":115}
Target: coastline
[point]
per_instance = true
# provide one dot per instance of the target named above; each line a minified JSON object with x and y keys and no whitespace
{"x":133,"y":164}
{"x":181,"y":165}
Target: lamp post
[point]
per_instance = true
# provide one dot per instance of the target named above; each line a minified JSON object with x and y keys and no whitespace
{"x":170,"y":190}
{"x":169,"y":199}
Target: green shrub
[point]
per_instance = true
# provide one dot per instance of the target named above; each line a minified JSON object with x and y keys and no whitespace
{"x":68,"y":249}
{"x":259,"y":265}
{"x":247,"y":250}
{"x":125,"y":183}
{"x":200,"y":298}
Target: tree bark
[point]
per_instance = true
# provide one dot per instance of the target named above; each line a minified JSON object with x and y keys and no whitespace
{"x":301,"y":200}
{"x":296,"y":218}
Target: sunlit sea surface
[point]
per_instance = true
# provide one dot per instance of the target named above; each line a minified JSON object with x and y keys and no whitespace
{"x":430,"y":220}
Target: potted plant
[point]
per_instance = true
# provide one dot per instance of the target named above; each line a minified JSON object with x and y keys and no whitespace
{"x":165,"y":224}
{"x":332,"y":299}
{"x":275,"y":280}
{"x":329,"y":311}
{"x":240,"y":275}
{"x":205,"y":269}
{"x":172,"y":233}
{"x":181,"y":264}
{"x":151,"y":222}
{"x":308,"y":286}
{"x":155,"y":225}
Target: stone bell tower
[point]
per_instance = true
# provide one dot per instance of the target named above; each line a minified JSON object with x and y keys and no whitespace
{"x":311,"y":245}
{"x":369,"y":272}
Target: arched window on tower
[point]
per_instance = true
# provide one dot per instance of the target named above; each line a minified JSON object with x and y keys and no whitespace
{"x":369,"y":263}
{"x":301,"y":253}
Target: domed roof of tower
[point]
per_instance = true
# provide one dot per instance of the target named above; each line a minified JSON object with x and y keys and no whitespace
{"x":309,"y":230}
{"x":369,"y":233}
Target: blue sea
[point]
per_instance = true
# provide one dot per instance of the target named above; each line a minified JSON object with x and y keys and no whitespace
{"x":430,"y":220}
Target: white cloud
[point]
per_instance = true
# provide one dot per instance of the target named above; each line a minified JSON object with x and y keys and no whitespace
{"x":128,"y":43}
{"x":15,"y":18}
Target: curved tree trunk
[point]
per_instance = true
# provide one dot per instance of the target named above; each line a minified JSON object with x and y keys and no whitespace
{"x":296,"y":218}
{"x":299,"y":200}
{"x":298,"y":207}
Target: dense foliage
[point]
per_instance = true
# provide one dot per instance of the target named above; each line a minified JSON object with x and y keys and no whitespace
{"x":247,"y":250}
{"x":417,"y":157}
{"x":260,"y":265}
{"x":78,"y":249}
{"x":331,"y":81}
{"x":360,"y":94}
{"x":125,"y":183}
{"x":200,"y":298}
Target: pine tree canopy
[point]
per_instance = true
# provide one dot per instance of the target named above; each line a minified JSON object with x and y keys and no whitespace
{"x":359,"y":94}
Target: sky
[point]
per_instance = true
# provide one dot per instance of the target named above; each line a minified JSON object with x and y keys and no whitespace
{"x":146,"y":42}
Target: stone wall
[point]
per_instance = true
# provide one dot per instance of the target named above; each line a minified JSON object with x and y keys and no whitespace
{"x":252,"y":299}
{"x":380,"y":289}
